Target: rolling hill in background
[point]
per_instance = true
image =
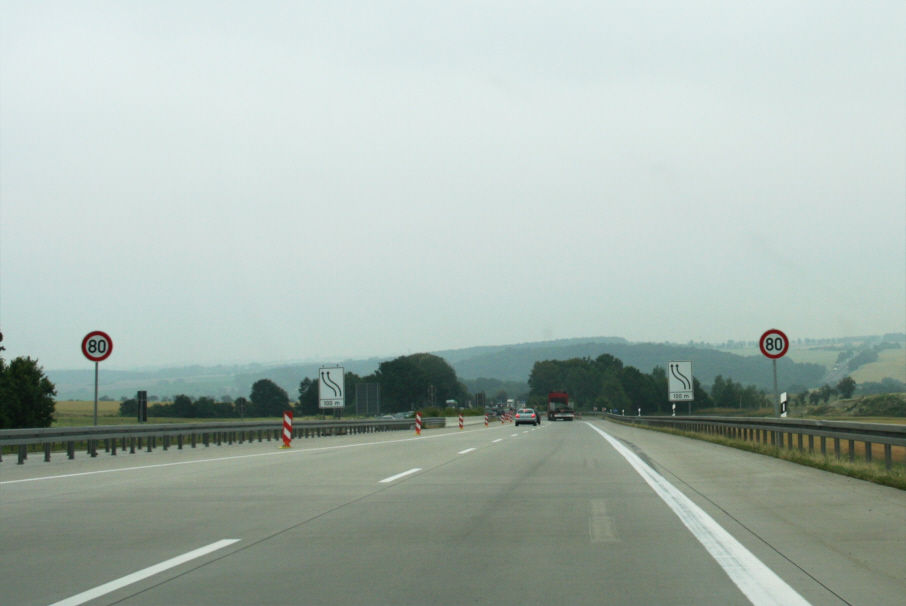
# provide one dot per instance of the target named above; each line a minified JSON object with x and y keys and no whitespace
{"x":477,"y":366}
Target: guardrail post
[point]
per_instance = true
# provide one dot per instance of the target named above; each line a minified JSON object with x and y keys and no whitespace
{"x":888,"y":456}
{"x":868,"y":453}
{"x":206,"y":439}
{"x":47,"y":452}
{"x":811,"y":443}
{"x":132,"y":445}
{"x":94,"y":447}
{"x":823,"y":441}
{"x":852,"y":451}
{"x":113,"y":447}
{"x":166,"y":441}
{"x":23,"y":454}
{"x":179,"y":442}
{"x":799,"y":440}
{"x":152,"y":442}
{"x":837,"y":448}
{"x":106,"y":445}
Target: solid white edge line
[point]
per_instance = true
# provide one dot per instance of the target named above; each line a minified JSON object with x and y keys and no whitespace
{"x":758,"y":583}
{"x":142,"y":574}
{"x":466,"y":451}
{"x":400,"y":475}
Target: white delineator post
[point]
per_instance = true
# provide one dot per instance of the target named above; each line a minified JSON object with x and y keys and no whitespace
{"x":287,"y":428}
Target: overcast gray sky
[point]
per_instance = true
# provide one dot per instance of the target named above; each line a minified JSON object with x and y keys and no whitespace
{"x":270,"y":181}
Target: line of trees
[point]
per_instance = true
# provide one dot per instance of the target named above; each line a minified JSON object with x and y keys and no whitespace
{"x":267,"y":399}
{"x":407,"y":383}
{"x":605,"y":383}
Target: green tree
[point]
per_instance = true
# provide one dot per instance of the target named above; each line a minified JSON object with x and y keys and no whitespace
{"x":129,"y":408}
{"x":846,"y":387}
{"x":26,"y":395}
{"x":546,"y":376}
{"x":160,"y":410}
{"x":183,"y":407}
{"x":308,"y":398}
{"x":700,"y":395}
{"x":826,"y":392}
{"x":612,"y":396}
{"x":268,"y":399}
{"x":408,"y":381}
{"x":205,"y":408}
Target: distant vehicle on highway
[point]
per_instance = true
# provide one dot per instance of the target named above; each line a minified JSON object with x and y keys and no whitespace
{"x":527,"y":415}
{"x":558,"y":407}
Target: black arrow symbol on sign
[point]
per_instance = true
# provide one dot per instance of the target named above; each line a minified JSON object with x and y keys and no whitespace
{"x":674,"y":370}
{"x":325,"y":376}
{"x":325,"y":379}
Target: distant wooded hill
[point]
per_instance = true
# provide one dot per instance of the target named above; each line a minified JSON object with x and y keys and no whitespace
{"x":509,"y":363}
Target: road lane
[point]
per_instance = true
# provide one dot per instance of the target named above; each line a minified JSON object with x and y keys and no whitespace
{"x":832,"y":535}
{"x":135,"y":516}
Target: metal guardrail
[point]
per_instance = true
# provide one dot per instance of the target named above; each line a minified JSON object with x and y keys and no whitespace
{"x":147,"y":435}
{"x":777,"y":431}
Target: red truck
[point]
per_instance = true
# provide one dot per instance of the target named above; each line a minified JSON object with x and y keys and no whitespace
{"x":558,"y":407}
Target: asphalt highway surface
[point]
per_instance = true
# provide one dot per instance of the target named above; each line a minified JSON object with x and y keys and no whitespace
{"x":583,"y":512}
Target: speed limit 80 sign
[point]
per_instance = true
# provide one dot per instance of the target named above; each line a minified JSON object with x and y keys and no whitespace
{"x":97,"y":346}
{"x":774,"y":344}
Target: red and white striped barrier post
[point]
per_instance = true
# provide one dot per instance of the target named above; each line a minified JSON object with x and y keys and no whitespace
{"x":460,"y":421}
{"x":287,"y":428}
{"x":485,"y":418}
{"x":418,"y":423}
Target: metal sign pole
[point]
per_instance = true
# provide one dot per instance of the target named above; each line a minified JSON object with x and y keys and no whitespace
{"x":96,"y":393}
{"x":776,"y":393}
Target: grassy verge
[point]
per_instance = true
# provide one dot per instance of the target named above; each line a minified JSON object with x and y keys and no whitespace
{"x":859,"y":469}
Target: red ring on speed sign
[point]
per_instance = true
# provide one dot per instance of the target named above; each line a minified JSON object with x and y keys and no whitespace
{"x":769,"y":344}
{"x":97,"y":346}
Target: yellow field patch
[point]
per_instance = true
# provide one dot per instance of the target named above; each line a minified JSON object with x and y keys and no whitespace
{"x":86,"y":407}
{"x":890,"y":363}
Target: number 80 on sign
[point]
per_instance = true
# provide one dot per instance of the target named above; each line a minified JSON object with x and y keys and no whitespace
{"x":774,"y":344}
{"x":97,"y":346}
